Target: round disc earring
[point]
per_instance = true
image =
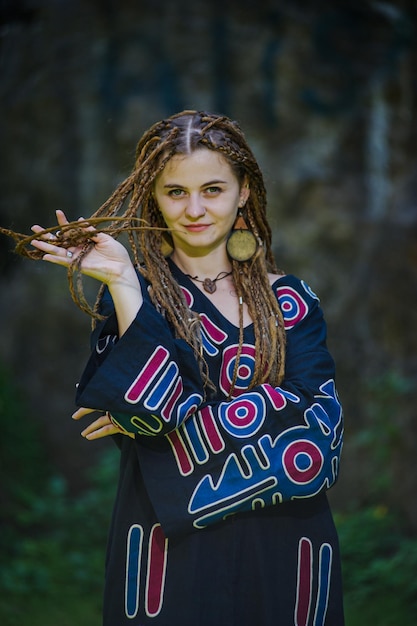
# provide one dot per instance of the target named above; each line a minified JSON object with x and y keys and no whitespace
{"x":242,"y":243}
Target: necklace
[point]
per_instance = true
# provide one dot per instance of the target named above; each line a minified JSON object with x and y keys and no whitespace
{"x":209,"y":284}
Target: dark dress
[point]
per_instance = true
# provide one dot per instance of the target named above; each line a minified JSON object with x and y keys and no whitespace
{"x":221,"y":516}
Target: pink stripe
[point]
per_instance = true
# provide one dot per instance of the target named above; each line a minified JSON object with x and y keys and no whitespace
{"x":183,"y":458}
{"x":147,"y":374}
{"x":276,"y":398}
{"x":214,"y":332}
{"x":157,"y":560}
{"x":210,"y":429}
{"x":302,"y":610}
{"x":167,"y":409}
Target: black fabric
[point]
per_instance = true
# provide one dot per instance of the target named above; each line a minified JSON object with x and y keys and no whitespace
{"x":221,"y":516}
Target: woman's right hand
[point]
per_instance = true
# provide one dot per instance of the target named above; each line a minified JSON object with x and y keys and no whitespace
{"x":107,"y":261}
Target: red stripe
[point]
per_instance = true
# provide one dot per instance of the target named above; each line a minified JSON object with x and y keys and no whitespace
{"x":183,"y":458}
{"x":214,"y":332}
{"x":168,"y":408}
{"x":146,"y":375}
{"x":156,"y":571}
{"x":210,"y":429}
{"x":277,"y":399}
{"x":303,"y":582}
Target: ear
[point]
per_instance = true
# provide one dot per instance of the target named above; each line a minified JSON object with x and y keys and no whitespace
{"x":244,"y":192}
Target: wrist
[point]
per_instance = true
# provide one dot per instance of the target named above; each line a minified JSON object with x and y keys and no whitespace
{"x":126,"y":293}
{"x":125,"y":277}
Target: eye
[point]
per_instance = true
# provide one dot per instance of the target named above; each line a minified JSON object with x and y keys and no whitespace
{"x":176,"y":193}
{"x":213,"y":190}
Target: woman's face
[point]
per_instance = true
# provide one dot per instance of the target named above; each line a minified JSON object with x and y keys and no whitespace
{"x":198,"y":196}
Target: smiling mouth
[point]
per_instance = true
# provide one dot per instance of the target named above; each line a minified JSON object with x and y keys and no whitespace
{"x":196,"y":228}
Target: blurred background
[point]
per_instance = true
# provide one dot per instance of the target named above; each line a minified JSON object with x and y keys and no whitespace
{"x":327,"y":94}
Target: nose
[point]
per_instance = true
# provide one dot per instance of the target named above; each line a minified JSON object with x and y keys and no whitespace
{"x":195,"y":207}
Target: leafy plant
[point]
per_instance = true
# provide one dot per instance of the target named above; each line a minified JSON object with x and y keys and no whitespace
{"x":56,"y":547}
{"x":379,"y":561}
{"x":381,"y":436}
{"x":52,"y":543}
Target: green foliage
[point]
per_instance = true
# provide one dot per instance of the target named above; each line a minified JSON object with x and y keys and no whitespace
{"x":379,"y":557}
{"x":52,"y":543}
{"x":22,"y":464}
{"x":380,"y":437}
{"x":379,"y":561}
{"x":54,"y":554}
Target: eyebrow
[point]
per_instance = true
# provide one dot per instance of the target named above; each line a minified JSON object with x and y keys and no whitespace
{"x":207,"y":184}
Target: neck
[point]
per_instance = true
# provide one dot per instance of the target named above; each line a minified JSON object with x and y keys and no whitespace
{"x":203,"y":267}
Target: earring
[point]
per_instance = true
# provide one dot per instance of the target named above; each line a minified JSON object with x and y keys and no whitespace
{"x":242,"y":243}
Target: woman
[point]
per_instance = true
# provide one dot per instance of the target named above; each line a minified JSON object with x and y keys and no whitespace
{"x":210,"y":369}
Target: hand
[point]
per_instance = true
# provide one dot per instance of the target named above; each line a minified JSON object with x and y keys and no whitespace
{"x":101,"y":427}
{"x":108,"y":261}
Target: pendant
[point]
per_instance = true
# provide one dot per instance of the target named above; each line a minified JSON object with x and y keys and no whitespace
{"x":209,"y":285}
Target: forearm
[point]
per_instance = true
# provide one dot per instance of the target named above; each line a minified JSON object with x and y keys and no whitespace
{"x":127,"y":297}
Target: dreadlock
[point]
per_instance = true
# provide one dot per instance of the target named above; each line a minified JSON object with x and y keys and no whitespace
{"x":149,"y":238}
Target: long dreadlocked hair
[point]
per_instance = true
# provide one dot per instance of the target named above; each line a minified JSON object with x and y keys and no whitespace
{"x":182,"y":134}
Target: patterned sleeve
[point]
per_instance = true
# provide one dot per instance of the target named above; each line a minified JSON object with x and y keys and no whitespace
{"x":147,"y":379}
{"x":265,"y":446}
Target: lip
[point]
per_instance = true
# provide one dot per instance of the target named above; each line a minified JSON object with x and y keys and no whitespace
{"x":196,"y":228}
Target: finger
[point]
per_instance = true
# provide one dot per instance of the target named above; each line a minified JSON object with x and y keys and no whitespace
{"x":43,"y":245}
{"x":36,"y":228}
{"x":47,"y":247}
{"x":41,"y":231}
{"x":105,"y":431}
{"x":53,"y":253}
{"x":57,"y":260}
{"x":100,"y":422}
{"x":82,"y":411}
{"x":61,"y":217}
{"x":101,"y":427}
{"x":86,"y":225}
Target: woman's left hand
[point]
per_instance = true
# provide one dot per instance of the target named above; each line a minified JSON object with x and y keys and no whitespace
{"x":101,"y":427}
